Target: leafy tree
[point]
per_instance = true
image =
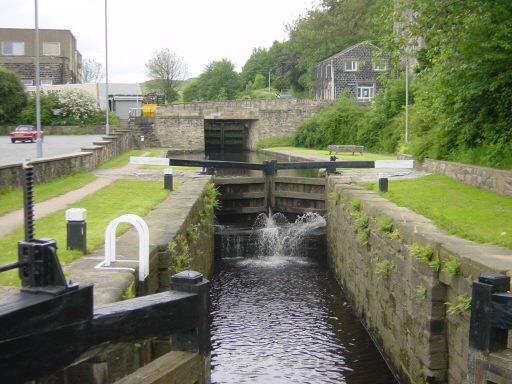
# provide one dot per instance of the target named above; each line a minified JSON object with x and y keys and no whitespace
{"x":47,"y":103}
{"x":191,"y":91}
{"x":260,"y":62}
{"x":219,"y":81}
{"x":465,"y":77}
{"x":12,"y":95}
{"x":324,"y":31}
{"x":92,"y":71}
{"x":75,"y":104}
{"x":259,"y":82}
{"x":166,"y":69}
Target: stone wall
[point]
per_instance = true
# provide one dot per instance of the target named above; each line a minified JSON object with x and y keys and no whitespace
{"x":400,"y":299}
{"x":489,"y":179}
{"x":47,"y":168}
{"x":180,"y":134}
{"x":180,"y":127}
{"x":110,"y":362}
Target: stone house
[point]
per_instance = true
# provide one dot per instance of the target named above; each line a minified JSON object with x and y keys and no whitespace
{"x":60,"y":61}
{"x":355,"y":70}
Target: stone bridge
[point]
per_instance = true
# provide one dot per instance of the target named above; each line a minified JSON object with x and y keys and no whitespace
{"x":239,"y":124}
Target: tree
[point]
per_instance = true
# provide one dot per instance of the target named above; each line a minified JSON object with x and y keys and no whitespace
{"x":191,"y":91}
{"x":166,"y":69}
{"x":219,"y":81}
{"x":12,"y":95}
{"x":92,"y":71}
{"x":465,"y":78}
{"x":76,"y":105}
{"x":325,"y":31}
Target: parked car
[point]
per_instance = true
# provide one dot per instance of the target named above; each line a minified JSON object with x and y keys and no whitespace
{"x":25,"y":133}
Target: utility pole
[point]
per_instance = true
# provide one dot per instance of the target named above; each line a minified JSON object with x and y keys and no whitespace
{"x":269,"y":71}
{"x":407,"y":99}
{"x":107,"y":126}
{"x":38,"y":89}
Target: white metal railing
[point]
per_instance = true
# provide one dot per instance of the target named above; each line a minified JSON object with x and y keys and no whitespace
{"x":110,"y":245}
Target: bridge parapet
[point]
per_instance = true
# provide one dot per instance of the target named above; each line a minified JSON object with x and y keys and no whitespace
{"x":181,"y":126}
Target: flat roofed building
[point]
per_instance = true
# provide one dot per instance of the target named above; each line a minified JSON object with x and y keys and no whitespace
{"x":60,"y":61}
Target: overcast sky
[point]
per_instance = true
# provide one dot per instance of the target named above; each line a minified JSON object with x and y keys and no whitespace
{"x":198,"y":31}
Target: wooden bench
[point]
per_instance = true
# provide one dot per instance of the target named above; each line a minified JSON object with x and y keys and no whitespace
{"x":345,"y":148}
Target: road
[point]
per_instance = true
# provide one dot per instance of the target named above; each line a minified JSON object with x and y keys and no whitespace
{"x":52,"y":146}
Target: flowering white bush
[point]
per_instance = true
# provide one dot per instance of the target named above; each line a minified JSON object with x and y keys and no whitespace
{"x":76,"y":104}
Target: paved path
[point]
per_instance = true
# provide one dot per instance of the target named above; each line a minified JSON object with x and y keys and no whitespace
{"x":13,"y":220}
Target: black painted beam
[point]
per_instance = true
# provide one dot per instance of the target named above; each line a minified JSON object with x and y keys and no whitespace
{"x":275,"y":165}
{"x":325,"y":164}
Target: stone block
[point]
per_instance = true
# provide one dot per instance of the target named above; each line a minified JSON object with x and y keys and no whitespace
{"x":88,"y":373}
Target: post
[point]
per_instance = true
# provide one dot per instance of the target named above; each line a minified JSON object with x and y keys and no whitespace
{"x":168,"y":179}
{"x":383,"y":183}
{"x":196,"y":339}
{"x":482,"y":336}
{"x":38,"y":88}
{"x":76,"y":229}
{"x":407,"y":100}
{"x":107,"y":124}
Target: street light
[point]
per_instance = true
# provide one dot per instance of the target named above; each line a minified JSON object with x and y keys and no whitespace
{"x":38,"y":90}
{"x":107,"y":126}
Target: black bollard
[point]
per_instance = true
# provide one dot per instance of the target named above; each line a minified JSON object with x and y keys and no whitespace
{"x":76,"y":229}
{"x":383,"y":183}
{"x":168,"y":179}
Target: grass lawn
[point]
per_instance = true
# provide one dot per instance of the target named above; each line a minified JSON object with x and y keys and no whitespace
{"x":11,"y":199}
{"x":166,"y":166}
{"x":340,"y":156}
{"x":121,"y":197}
{"x":122,"y":160}
{"x":459,"y":209}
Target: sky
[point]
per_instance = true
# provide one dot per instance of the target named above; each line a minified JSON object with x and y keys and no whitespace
{"x":198,"y":31}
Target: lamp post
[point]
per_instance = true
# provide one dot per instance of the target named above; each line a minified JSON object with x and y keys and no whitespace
{"x":38,"y":90}
{"x":107,"y":126}
{"x":407,"y":99}
{"x":269,"y":71}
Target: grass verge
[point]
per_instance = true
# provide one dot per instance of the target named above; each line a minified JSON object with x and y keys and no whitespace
{"x":340,"y":156}
{"x":167,"y":166}
{"x":121,"y":197}
{"x":459,"y":209}
{"x":120,"y":161}
{"x":11,"y":199}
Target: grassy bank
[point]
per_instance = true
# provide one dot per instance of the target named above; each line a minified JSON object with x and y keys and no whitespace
{"x":121,"y":197}
{"x":11,"y":199}
{"x":340,"y":156}
{"x":459,"y":209}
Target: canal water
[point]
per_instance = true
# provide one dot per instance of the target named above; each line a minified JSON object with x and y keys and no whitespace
{"x":278,"y":315}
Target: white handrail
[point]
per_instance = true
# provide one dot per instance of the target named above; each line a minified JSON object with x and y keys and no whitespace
{"x":110,"y":245}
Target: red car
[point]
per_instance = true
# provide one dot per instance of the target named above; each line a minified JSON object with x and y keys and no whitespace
{"x":25,"y":133}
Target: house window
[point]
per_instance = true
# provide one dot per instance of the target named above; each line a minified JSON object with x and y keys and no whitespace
{"x":27,"y":81}
{"x":46,"y":81}
{"x":13,"y":48}
{"x":51,"y":48}
{"x":351,"y":65}
{"x":365,"y":91}
{"x":380,"y":65}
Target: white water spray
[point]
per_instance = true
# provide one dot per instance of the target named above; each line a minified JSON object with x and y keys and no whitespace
{"x":274,"y":235}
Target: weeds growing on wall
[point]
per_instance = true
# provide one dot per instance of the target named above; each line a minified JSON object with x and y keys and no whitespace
{"x":427,"y":255}
{"x":182,"y":249}
{"x":461,"y":307}
{"x":452,"y":266}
